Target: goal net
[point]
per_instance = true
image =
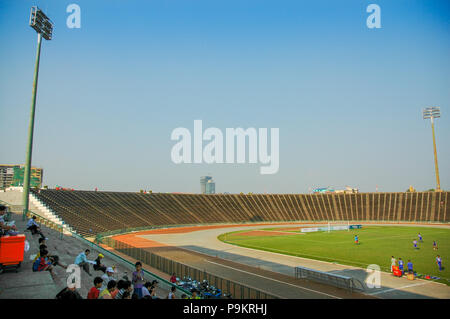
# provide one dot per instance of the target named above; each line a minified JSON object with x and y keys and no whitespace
{"x":338,"y":225}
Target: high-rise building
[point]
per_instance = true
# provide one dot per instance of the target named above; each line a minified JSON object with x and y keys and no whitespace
{"x":210,"y":187}
{"x":203,"y":181}
{"x":12,"y":175}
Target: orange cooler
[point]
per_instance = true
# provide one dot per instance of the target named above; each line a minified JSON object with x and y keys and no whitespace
{"x":11,"y":250}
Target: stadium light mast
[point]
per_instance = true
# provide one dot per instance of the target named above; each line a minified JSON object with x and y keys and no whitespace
{"x":44,"y":28}
{"x":432,"y":113}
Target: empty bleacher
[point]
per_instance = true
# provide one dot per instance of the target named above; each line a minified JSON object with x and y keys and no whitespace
{"x":90,"y":212}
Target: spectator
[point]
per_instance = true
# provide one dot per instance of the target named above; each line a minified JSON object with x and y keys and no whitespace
{"x":95,"y":291}
{"x":98,"y":265}
{"x":123,"y":286}
{"x":43,"y":264}
{"x":173,"y":279}
{"x":146,"y":291}
{"x":34,"y":227}
{"x":194,"y":295}
{"x":400,"y":265}
{"x":68,"y":294}
{"x":410,"y":267}
{"x":83,"y":262}
{"x":126,"y":295}
{"x":114,"y":292}
{"x":393,"y":263}
{"x":42,"y":246}
{"x":107,"y":277}
{"x":171,"y":294}
{"x":138,"y":279}
{"x":110,"y":289}
{"x":152,"y":290}
{"x":54,"y":259}
{"x":4,"y":228}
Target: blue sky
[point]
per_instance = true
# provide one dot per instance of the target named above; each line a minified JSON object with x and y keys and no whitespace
{"x":347,"y":99}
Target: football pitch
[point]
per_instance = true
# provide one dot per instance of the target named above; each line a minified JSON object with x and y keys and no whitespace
{"x":376,"y":246}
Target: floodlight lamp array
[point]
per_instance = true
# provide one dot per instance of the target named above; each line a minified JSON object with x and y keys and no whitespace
{"x":41,"y":23}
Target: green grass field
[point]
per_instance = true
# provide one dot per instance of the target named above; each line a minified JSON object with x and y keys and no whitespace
{"x":377,"y":245}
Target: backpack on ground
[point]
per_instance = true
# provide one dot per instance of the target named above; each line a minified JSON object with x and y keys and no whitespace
{"x":36,"y":264}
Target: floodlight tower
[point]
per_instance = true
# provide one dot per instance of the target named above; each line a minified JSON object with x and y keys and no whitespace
{"x":433,"y":113}
{"x":44,"y":28}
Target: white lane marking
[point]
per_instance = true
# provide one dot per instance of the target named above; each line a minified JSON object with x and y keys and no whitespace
{"x":282,"y":282}
{"x":399,"y":288}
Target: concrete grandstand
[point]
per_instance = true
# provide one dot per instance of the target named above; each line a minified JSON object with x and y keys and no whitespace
{"x":85,"y":215}
{"x":90,"y":212}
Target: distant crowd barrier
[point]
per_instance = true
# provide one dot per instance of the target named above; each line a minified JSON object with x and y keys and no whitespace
{"x":168,"y":266}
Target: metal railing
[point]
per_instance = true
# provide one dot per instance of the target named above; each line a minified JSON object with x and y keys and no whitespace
{"x":335,"y":280}
{"x":168,"y":266}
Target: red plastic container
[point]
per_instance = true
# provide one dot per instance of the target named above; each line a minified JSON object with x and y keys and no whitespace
{"x":397,"y":273}
{"x":11,"y":251}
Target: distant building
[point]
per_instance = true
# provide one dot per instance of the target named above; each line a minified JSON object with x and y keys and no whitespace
{"x":347,"y":190}
{"x":210,"y":187}
{"x":328,"y":190}
{"x":324,"y":190}
{"x":207,"y":185}
{"x":12,"y":175}
{"x":203,"y":181}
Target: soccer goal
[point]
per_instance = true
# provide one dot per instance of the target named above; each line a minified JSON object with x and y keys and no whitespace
{"x":338,"y":225}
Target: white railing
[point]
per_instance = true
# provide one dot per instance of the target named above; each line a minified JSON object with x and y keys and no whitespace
{"x":335,"y":280}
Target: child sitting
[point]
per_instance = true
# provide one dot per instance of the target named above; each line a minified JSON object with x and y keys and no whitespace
{"x":95,"y":291}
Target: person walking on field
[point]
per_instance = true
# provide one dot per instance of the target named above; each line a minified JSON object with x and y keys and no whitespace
{"x":435,"y":245}
{"x":439,"y":262}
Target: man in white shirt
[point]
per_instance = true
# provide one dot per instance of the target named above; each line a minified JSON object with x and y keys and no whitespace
{"x":393,"y":263}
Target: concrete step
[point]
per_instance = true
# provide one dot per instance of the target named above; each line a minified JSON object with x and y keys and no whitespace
{"x":38,"y":285}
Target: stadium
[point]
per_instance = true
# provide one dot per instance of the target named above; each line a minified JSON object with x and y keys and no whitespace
{"x":284,"y":100}
{"x":240,"y":243}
